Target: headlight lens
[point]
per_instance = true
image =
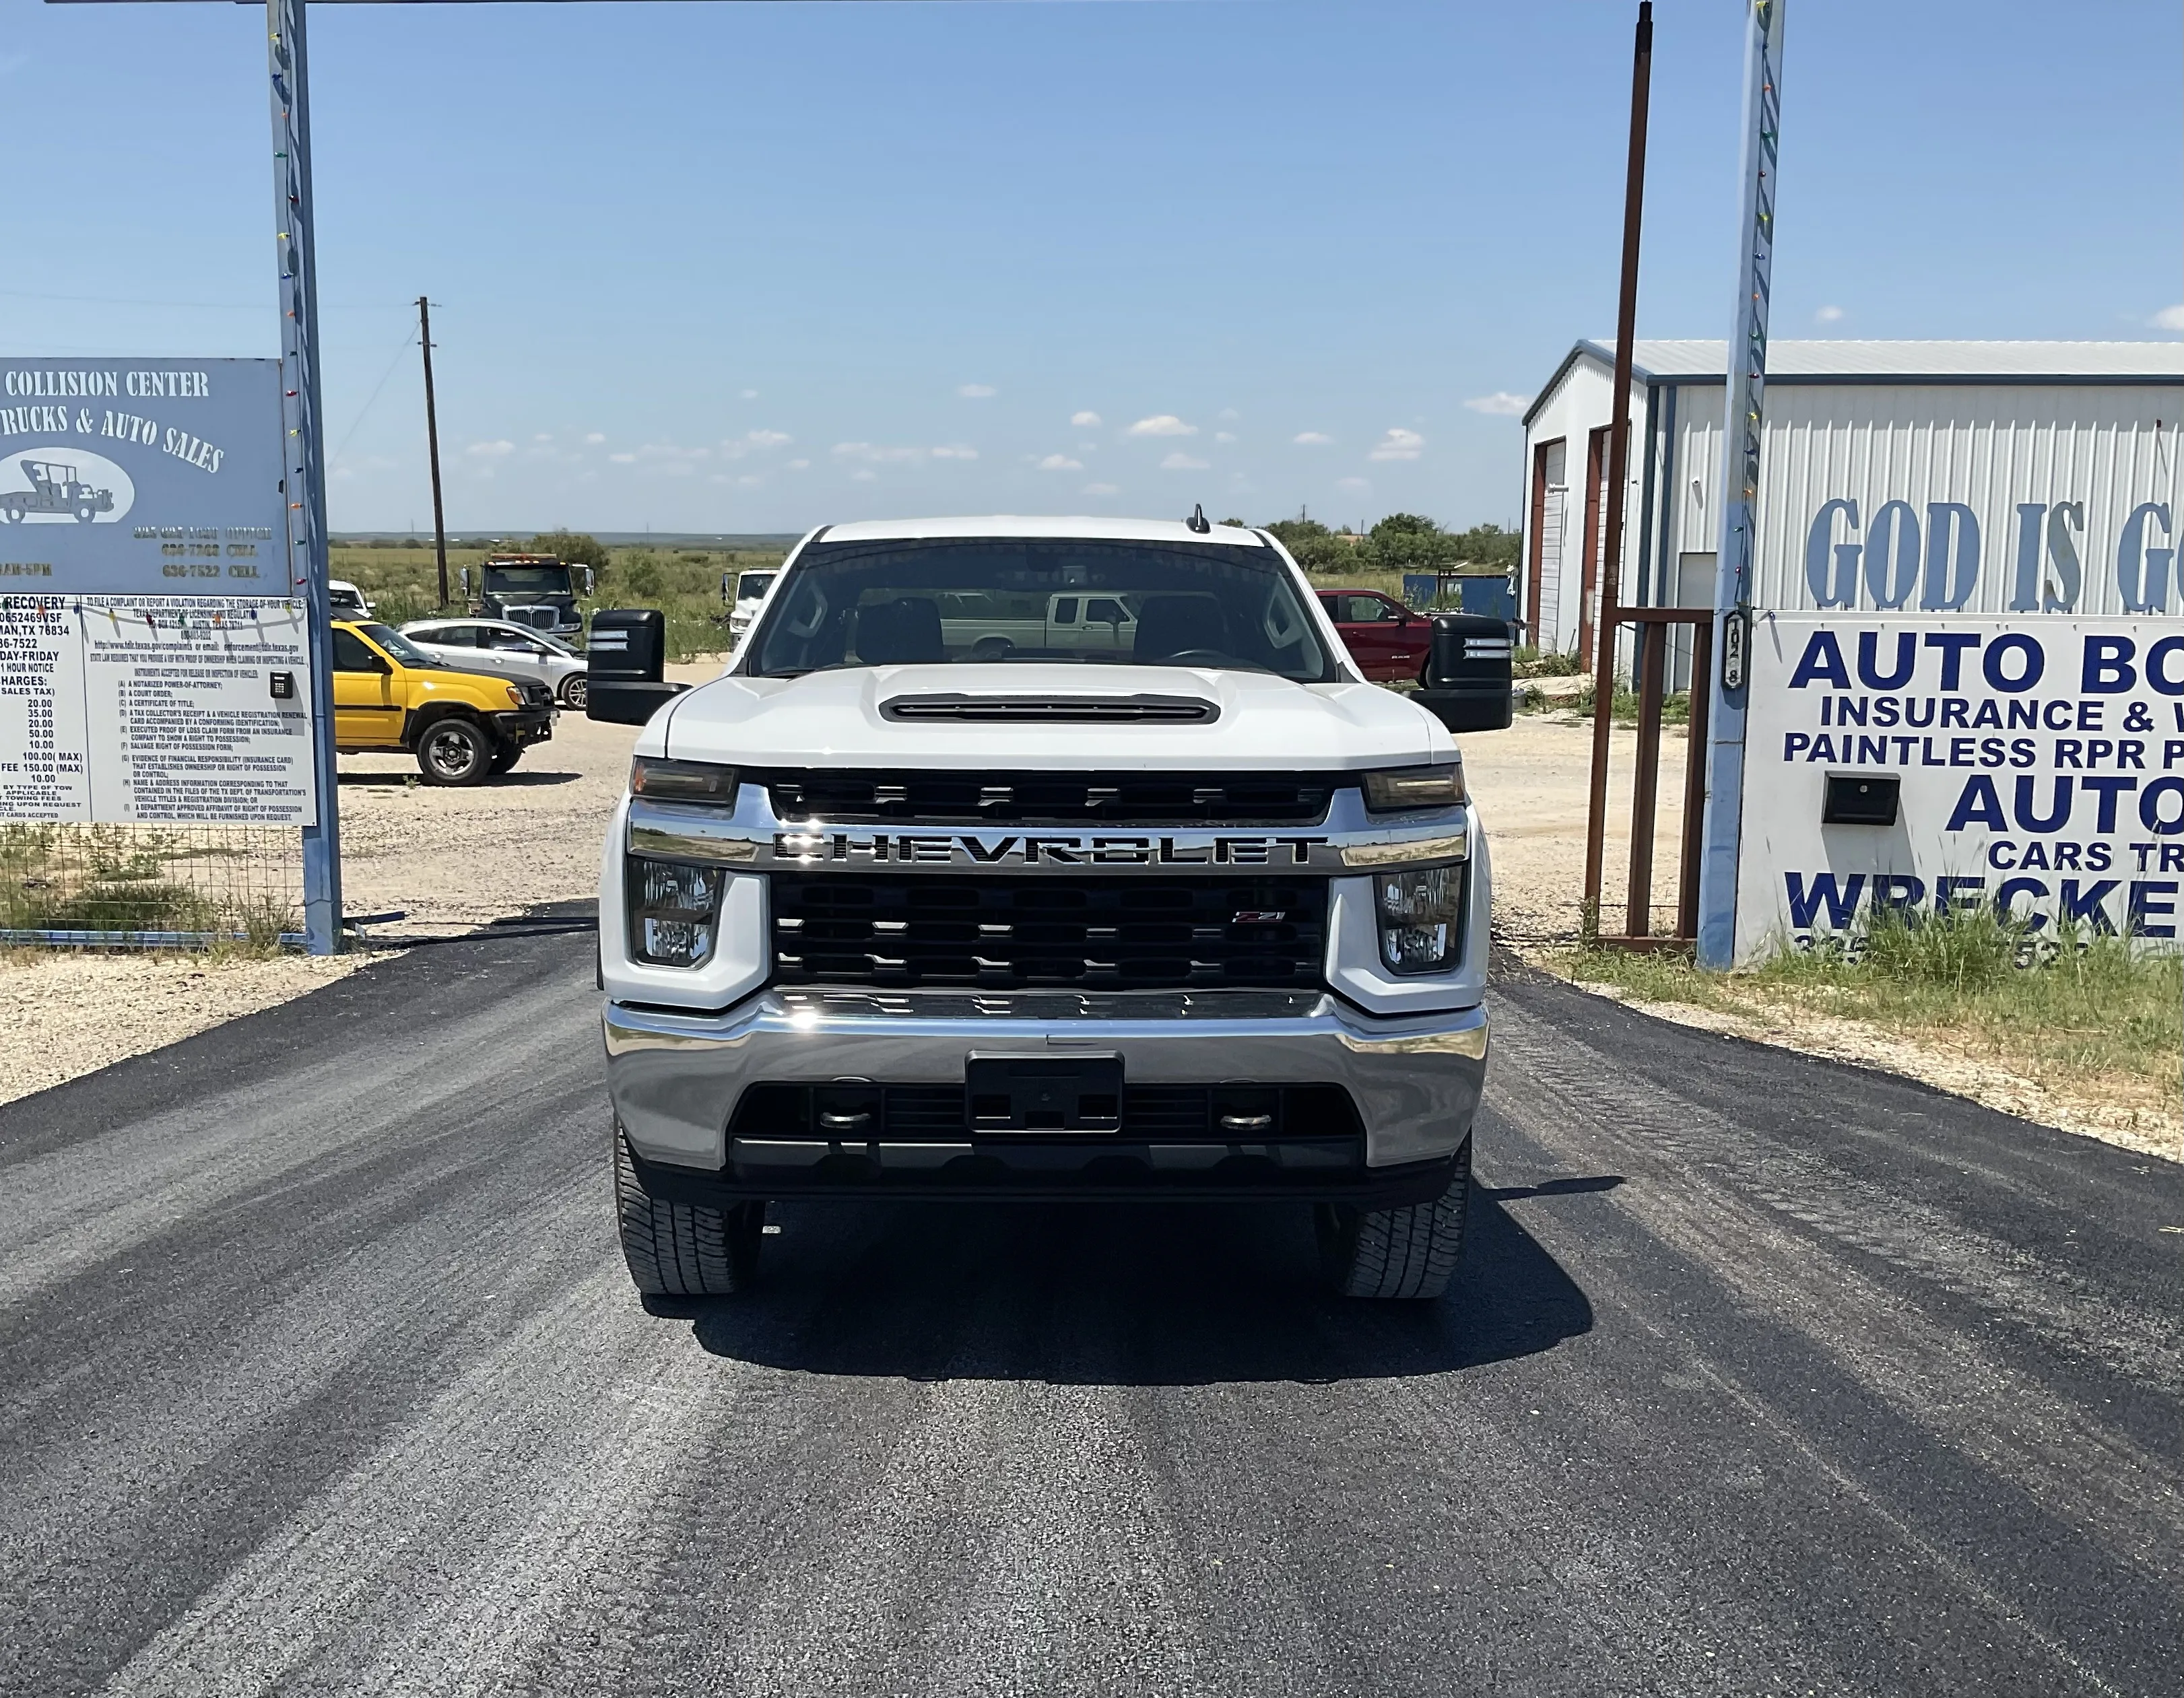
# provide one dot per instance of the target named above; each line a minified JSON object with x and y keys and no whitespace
{"x":1420,"y":914}
{"x":681,"y":781}
{"x":674,"y":912}
{"x":1416,"y":786}
{"x":515,"y":697}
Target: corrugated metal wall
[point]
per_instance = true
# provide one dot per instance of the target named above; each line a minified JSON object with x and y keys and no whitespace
{"x":1993,"y":449}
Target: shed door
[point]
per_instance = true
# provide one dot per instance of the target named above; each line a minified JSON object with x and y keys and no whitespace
{"x":1547,"y":616}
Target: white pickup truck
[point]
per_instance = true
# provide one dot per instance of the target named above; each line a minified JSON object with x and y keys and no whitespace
{"x":1194,"y":911}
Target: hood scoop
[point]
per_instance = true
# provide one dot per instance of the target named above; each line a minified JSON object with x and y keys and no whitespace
{"x":968,"y":709}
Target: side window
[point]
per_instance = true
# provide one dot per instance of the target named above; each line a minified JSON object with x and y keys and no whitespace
{"x":1347,"y":611}
{"x":352,"y":654}
{"x":495,"y":638}
{"x":451,"y":636}
{"x":1379,"y":608}
{"x":1065,"y":610}
{"x":1104,"y":610}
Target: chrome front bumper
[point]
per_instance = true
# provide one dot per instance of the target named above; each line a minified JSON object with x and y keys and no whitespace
{"x":675,"y":1078}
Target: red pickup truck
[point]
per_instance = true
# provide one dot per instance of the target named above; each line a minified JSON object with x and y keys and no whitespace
{"x":1385,"y":638}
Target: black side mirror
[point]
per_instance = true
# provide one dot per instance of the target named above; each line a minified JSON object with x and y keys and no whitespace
{"x":1470,"y":679}
{"x":625,"y":665}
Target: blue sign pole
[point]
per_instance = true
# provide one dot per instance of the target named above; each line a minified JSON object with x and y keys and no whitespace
{"x":304,"y":473}
{"x":1740,"y":484}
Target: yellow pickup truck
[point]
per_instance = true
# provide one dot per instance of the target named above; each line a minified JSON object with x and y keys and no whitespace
{"x":461,"y":726}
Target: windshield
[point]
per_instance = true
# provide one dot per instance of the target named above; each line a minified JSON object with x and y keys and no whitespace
{"x":393,"y":642}
{"x":528,"y":580}
{"x":752,"y":585}
{"x":991,"y":601}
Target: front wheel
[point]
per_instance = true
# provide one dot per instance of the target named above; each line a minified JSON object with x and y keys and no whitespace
{"x":1409,"y":1251}
{"x":576,"y":692}
{"x":454,"y":752}
{"x":683,"y":1249}
{"x":84,"y":513}
{"x":505,"y":761}
{"x":13,"y":512}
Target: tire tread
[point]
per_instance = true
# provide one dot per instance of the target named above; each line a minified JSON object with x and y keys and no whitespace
{"x":682,"y":1250}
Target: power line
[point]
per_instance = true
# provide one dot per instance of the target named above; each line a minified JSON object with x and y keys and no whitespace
{"x":198,"y":306}
{"x":357,"y":422}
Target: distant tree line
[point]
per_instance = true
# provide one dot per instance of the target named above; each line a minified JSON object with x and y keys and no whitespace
{"x":1401,"y":543}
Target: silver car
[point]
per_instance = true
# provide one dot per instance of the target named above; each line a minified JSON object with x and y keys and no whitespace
{"x":496,"y":645}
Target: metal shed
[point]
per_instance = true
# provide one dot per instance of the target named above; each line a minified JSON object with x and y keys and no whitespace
{"x":1921,"y":477}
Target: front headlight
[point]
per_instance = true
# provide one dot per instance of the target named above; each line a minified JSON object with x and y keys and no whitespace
{"x":1416,"y":786}
{"x":515,"y":697}
{"x":681,"y":781}
{"x":674,"y":912}
{"x":1419,"y":914}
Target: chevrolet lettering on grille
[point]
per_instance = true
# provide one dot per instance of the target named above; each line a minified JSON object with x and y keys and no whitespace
{"x":976,"y":849}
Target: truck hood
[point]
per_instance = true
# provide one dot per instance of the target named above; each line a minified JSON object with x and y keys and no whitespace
{"x":1254,"y":722}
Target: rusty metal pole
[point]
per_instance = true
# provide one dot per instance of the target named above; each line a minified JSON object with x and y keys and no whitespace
{"x":1618,"y":467}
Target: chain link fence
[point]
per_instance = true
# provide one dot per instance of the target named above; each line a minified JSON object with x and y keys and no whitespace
{"x":150,"y":886}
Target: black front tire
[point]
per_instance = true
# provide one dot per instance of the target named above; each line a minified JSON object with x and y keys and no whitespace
{"x":505,"y":758}
{"x":1408,"y":1252}
{"x":454,"y":752}
{"x":681,"y":1249}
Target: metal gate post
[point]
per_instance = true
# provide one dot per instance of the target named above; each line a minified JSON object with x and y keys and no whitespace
{"x":302,"y":471}
{"x":1740,"y":483}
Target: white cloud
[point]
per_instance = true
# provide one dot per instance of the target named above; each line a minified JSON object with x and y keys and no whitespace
{"x":877,"y":454}
{"x":1827,"y":315}
{"x":623,"y":459}
{"x":799,"y":465}
{"x":595,"y":438}
{"x":1398,"y":444}
{"x":1230,"y":413}
{"x":1060,"y":463}
{"x":1224,"y":436}
{"x":1180,"y":461}
{"x":750,"y":394}
{"x":977,"y":392}
{"x":865,"y":476}
{"x":1162,"y":425}
{"x":955,"y":451}
{"x":1084,"y":420}
{"x":491,"y":450}
{"x":1355,"y":486}
{"x":544,"y":437}
{"x":1501,"y":404}
{"x":1311,"y":439}
{"x":768,"y":439}
{"x":1100,"y":489}
{"x":2169,"y":318}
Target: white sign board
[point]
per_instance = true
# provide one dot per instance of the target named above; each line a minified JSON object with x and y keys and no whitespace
{"x":155,"y":709}
{"x":2040,"y":764}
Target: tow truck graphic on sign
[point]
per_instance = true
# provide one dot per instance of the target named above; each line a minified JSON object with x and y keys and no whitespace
{"x":64,"y":485}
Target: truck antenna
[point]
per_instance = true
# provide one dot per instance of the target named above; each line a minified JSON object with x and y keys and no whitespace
{"x":1198,"y":522}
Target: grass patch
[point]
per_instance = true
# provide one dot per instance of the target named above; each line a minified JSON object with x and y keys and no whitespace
{"x":2072,"y":1011}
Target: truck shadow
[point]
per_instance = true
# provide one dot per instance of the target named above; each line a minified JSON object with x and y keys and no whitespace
{"x":1124,"y":1294}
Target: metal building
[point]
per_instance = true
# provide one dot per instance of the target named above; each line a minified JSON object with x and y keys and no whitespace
{"x":1917,"y":476}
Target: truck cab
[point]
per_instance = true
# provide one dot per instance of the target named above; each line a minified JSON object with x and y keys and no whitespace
{"x":1020,"y":859}
{"x":537,"y":591}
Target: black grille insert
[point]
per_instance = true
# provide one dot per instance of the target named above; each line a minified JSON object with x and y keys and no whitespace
{"x":1052,"y":798}
{"x":1152,"y":1114}
{"x":1015,"y":933}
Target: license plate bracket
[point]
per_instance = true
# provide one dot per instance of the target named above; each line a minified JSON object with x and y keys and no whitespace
{"x":1043,"y":1093}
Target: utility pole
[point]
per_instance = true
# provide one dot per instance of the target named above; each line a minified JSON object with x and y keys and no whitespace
{"x":1619,"y":464}
{"x":432,"y":441}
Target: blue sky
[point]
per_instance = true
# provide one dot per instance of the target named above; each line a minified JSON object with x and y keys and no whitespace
{"x":753,"y":267}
